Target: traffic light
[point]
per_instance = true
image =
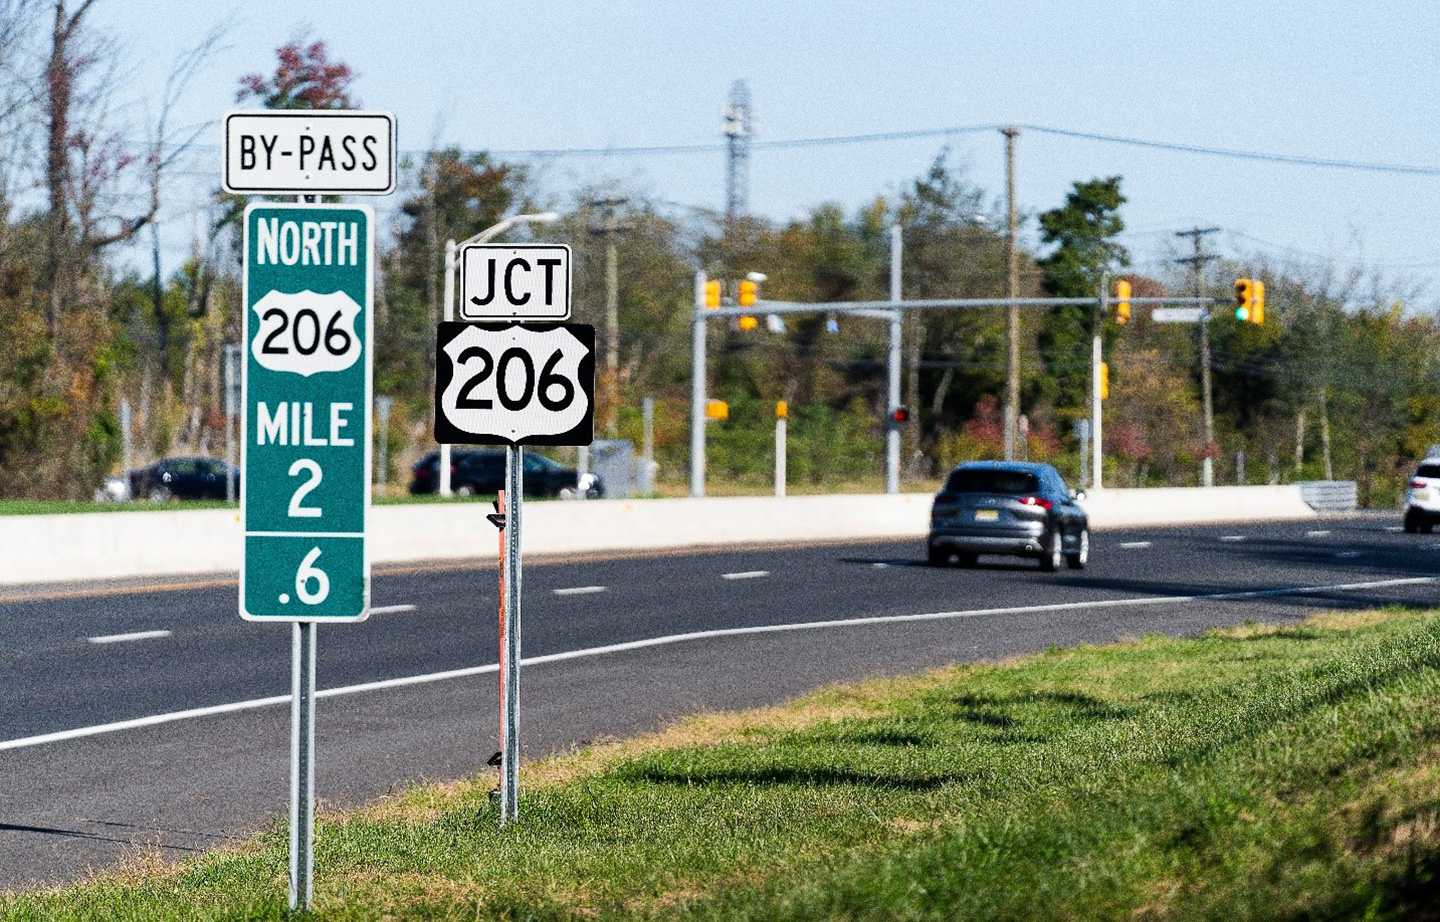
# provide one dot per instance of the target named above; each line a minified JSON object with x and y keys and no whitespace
{"x":1257,"y":310}
{"x":900,"y":415}
{"x":1244,"y":298}
{"x":749,"y":293}
{"x":717,"y":409}
{"x":1122,"y":302}
{"x":748,"y":323}
{"x":1104,"y":381}
{"x":712,"y":294}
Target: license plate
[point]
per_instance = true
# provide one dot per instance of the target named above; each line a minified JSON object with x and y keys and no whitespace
{"x":987,"y":515}
{"x":1422,"y":494}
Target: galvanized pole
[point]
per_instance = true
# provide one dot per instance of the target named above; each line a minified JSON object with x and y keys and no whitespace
{"x":233,"y":355}
{"x":302,"y":765}
{"x":127,"y":422}
{"x":1095,"y":402}
{"x":510,"y":668}
{"x":892,"y":432}
{"x":449,"y":315}
{"x":697,"y":390}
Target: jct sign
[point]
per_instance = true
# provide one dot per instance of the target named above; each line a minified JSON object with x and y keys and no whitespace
{"x":306,"y":497}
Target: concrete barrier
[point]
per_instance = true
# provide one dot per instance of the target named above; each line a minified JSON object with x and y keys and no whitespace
{"x":171,"y":542}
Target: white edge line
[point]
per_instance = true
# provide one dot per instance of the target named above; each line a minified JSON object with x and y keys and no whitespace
{"x":257,"y":703}
{"x":122,"y":638}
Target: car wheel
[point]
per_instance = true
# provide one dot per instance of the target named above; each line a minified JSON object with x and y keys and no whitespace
{"x":1077,"y":559}
{"x":159,"y":494}
{"x":567,"y":493}
{"x":1411,"y":525}
{"x":1054,"y":551}
{"x":464,"y":489}
{"x":938,"y":556}
{"x":968,"y":561}
{"x":1427,"y":527}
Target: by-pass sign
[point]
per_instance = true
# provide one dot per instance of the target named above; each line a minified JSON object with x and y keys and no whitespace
{"x":306,"y":490}
{"x":310,"y":151}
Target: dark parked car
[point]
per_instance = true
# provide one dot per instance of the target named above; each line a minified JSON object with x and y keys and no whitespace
{"x":1003,"y":507}
{"x":482,"y":470}
{"x":183,"y":478}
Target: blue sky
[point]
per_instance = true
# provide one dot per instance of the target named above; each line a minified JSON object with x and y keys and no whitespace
{"x":1354,"y":82}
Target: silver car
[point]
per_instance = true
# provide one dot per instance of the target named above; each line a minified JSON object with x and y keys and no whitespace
{"x":1004,"y":507}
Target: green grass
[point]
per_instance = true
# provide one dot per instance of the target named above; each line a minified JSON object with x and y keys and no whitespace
{"x":1250,"y":774}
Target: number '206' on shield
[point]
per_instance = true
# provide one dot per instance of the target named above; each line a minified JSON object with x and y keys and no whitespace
{"x":515,"y":384}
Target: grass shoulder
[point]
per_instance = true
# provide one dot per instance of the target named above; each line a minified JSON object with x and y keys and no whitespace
{"x":1256,"y":773}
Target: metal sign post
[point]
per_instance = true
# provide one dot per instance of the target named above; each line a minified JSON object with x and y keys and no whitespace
{"x":514,"y":384}
{"x":306,"y":443}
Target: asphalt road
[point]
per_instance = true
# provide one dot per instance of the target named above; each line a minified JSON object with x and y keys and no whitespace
{"x":81,"y":657}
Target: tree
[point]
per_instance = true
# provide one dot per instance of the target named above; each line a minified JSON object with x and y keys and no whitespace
{"x":304,"y":78}
{"x":1082,"y":232}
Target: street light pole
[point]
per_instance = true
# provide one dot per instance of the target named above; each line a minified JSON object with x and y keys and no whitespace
{"x":452,"y":250}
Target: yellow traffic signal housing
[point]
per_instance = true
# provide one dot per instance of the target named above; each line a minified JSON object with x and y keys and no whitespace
{"x":1122,"y":302}
{"x":1257,"y":310}
{"x":717,"y":409}
{"x":749,"y":293}
{"x":1104,"y":381}
{"x":748,"y":323}
{"x":782,"y":409}
{"x":1244,"y":298}
{"x":712,"y":294}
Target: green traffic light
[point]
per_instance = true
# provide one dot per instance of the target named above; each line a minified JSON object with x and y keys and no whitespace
{"x":1242,"y":313}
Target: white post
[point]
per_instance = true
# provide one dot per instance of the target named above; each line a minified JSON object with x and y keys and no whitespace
{"x":449,"y":315}
{"x":892,"y":431}
{"x":1097,"y":477}
{"x":697,"y":390}
{"x":780,"y":455}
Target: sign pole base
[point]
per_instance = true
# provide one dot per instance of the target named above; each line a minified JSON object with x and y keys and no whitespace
{"x":302,"y":766}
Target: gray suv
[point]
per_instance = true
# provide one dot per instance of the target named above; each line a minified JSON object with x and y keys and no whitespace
{"x":1003,"y":507}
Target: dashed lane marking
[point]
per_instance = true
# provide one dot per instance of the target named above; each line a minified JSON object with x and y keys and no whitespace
{"x":390,"y":609}
{"x":1134,"y":545}
{"x":1317,"y":534}
{"x":1232,"y":537}
{"x":580,"y":590}
{"x":124,"y":638}
{"x":747,"y":574}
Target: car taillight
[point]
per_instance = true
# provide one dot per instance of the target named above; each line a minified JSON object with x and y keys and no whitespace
{"x":944,"y":497}
{"x":1036,"y":501}
{"x":1418,"y":484}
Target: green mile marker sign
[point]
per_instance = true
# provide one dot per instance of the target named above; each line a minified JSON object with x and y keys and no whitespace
{"x":306,"y":457}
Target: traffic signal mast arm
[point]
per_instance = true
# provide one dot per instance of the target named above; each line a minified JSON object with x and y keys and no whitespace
{"x":883,"y":309}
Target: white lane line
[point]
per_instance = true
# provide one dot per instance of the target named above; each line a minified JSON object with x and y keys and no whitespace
{"x":122,"y":638}
{"x":1144,"y":602}
{"x":1316,"y":534}
{"x":1394,"y":528}
{"x":1232,"y":537}
{"x":580,"y":590}
{"x":390,"y":609}
{"x":747,"y":574}
{"x":1132,"y":545}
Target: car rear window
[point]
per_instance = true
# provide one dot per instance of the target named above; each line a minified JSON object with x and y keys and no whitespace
{"x":992,"y":481}
{"x":1428,"y":470}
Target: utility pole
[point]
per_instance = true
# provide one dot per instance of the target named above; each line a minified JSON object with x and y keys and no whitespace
{"x":1197,"y":265}
{"x":610,"y":373}
{"x":1012,"y":284}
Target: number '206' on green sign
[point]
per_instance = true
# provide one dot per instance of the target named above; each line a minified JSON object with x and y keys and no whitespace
{"x":306,"y":459}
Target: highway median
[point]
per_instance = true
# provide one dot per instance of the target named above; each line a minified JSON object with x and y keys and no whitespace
{"x":1255,"y":773}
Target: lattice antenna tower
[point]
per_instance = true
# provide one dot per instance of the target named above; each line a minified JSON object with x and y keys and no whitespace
{"x":739,"y":126}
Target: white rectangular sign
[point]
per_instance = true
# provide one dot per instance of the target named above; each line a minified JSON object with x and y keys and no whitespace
{"x":1178,"y":314}
{"x":309,"y":152}
{"x":528,"y":282}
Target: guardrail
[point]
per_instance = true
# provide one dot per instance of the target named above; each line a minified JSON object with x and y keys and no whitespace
{"x":168,"y":542}
{"x":1329,"y":495}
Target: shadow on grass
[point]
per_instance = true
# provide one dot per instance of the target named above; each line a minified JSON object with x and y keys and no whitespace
{"x":794,"y":776}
